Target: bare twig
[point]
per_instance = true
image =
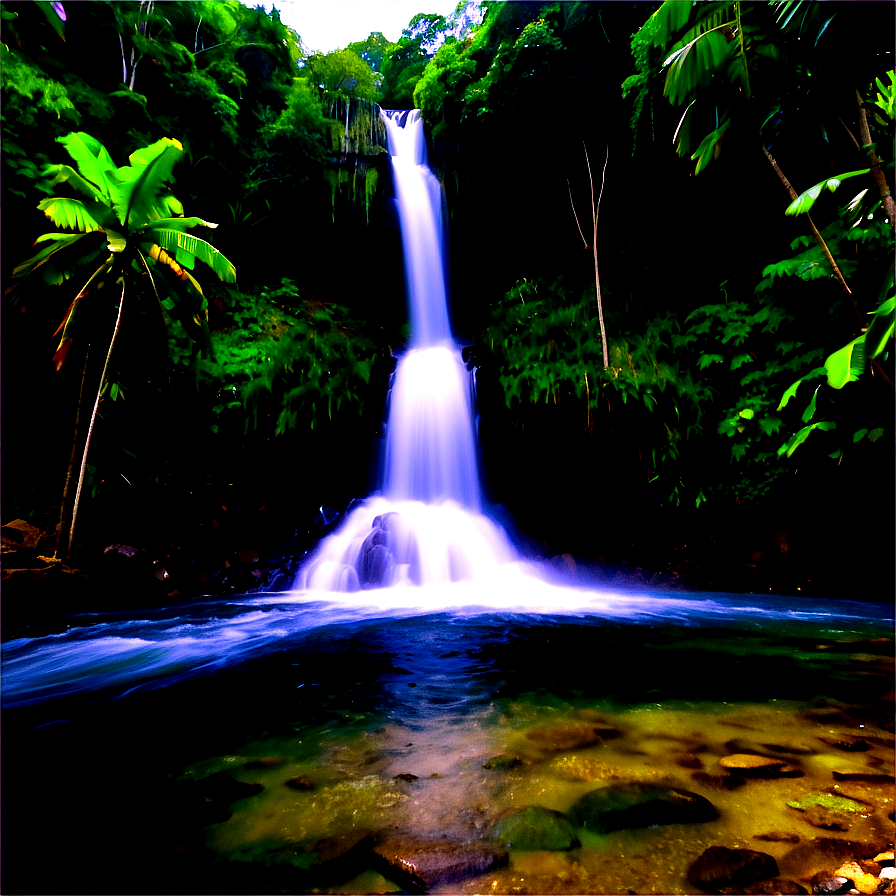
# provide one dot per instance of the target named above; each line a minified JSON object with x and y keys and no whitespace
{"x":595,"y":211}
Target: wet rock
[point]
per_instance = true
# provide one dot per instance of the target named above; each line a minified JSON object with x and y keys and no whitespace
{"x":559,"y":736}
{"x":688,"y":760}
{"x":752,"y":765}
{"x":639,"y":805}
{"x":861,"y":880}
{"x":422,"y":865}
{"x":375,"y":566}
{"x":848,"y":744}
{"x":827,"y":811}
{"x":719,"y":782}
{"x":860,"y":773}
{"x":503,"y":761}
{"x":536,"y":828}
{"x":825,"y":884}
{"x":821,"y":854}
{"x":720,"y":869}
{"x":300,"y":782}
{"x":407,"y":777}
{"x":778,"y":837}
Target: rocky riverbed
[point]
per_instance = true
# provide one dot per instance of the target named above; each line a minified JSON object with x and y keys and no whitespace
{"x":546,"y":797}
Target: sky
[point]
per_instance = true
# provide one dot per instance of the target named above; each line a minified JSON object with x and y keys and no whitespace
{"x":326,"y":25}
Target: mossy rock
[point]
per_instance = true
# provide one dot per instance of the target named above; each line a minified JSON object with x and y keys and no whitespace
{"x":827,"y":801}
{"x":639,"y":805}
{"x":536,"y":828}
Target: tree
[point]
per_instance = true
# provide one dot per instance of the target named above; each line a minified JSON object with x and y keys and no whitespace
{"x":141,"y":223}
{"x":343,"y":72}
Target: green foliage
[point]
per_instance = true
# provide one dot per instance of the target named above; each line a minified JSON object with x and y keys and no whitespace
{"x":548,"y":345}
{"x":342,"y":72}
{"x":807,"y":198}
{"x":285,"y":362}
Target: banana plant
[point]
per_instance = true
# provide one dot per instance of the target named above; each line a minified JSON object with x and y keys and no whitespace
{"x":141,"y":227}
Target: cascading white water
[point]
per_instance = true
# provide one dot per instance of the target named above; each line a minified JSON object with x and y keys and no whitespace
{"x":427,"y":526}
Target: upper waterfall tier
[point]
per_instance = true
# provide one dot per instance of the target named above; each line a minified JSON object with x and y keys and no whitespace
{"x":419,"y":198}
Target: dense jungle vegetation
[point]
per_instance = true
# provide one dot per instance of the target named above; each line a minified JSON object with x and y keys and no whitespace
{"x":671,"y":258}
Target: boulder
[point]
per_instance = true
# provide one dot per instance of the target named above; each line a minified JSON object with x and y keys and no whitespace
{"x":417,"y":865}
{"x":720,"y":869}
{"x":536,"y":828}
{"x":639,"y":805}
{"x":752,"y":765}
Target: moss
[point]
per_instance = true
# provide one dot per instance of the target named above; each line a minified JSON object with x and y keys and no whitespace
{"x":826,"y":801}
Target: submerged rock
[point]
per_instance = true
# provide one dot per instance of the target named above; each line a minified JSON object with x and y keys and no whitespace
{"x":637,"y":805}
{"x":536,"y":828}
{"x":503,"y":761}
{"x":827,"y":811}
{"x":559,"y":736}
{"x":720,"y":869}
{"x":422,"y":865}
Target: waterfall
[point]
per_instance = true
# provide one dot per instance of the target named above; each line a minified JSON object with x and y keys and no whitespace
{"x":427,"y":526}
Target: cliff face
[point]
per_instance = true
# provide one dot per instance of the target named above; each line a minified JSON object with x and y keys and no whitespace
{"x":358,"y":153}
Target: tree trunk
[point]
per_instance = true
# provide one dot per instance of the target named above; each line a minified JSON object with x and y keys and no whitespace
{"x":876,"y":168}
{"x":96,"y":404}
{"x":62,"y":529}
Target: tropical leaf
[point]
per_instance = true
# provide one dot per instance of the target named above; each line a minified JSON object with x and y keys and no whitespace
{"x":93,"y":161}
{"x":137,"y":187}
{"x":670,"y":18}
{"x":173,"y":240}
{"x":60,"y":241}
{"x":846,"y":364}
{"x":883,"y":320}
{"x":67,"y":174}
{"x":73,"y":213}
{"x":809,"y":413}
{"x":707,"y":149}
{"x":806,"y":199}
{"x":791,"y":390}
{"x":693,"y":64}
{"x":799,"y":437}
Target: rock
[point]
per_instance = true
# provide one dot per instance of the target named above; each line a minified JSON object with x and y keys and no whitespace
{"x":820,"y":855}
{"x":639,"y":805}
{"x":751,"y":765}
{"x":422,"y":865}
{"x":248,"y":556}
{"x":827,"y":811}
{"x":407,"y":777}
{"x":719,"y":782}
{"x":375,"y":566}
{"x":826,"y":885}
{"x":19,"y":534}
{"x":861,"y":880}
{"x":777,"y":837}
{"x":559,"y":736}
{"x":720,"y":869}
{"x":503,"y":761}
{"x":885,"y":857}
{"x":688,"y":760}
{"x":861,"y":774}
{"x":536,"y":828}
{"x":849,"y":744}
{"x":300,"y":782}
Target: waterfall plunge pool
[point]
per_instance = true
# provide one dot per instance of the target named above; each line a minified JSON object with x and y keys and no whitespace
{"x":379,"y":742}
